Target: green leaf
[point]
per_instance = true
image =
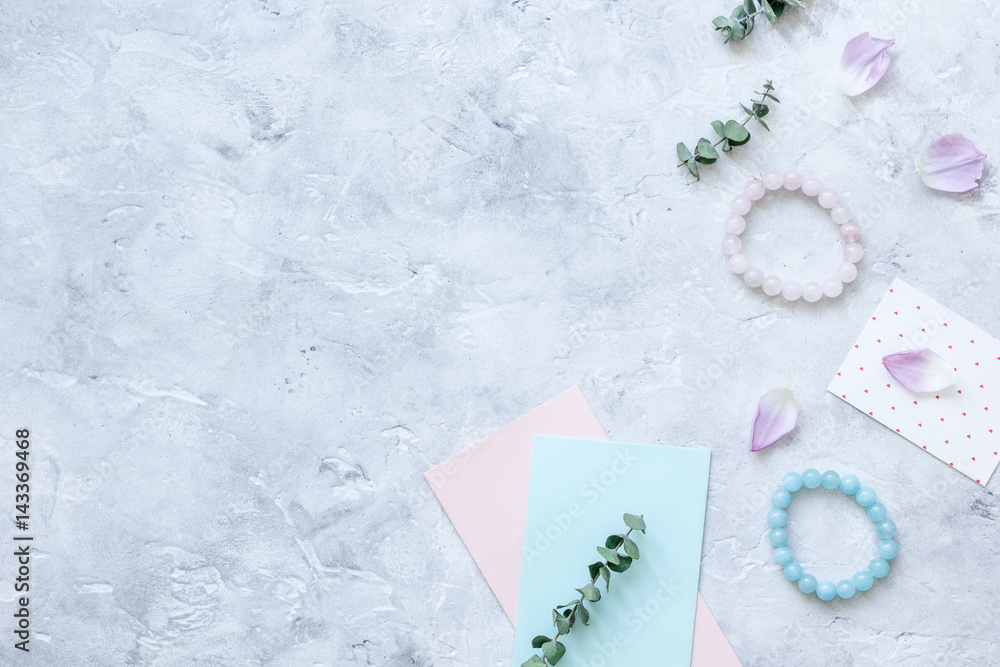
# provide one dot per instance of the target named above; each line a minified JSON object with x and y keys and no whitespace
{"x":631,"y":549}
{"x":720,"y":22}
{"x":595,"y":569}
{"x":726,"y":147}
{"x":583,"y":614}
{"x":778,"y":8}
{"x":568,"y":615}
{"x":736,"y":133}
{"x":719,"y":128}
{"x":763,"y":125}
{"x":590,"y":593}
{"x":749,"y":7}
{"x":693,"y":168}
{"x":768,"y":94}
{"x":759,"y":110}
{"x":609,"y":555}
{"x":768,"y":11}
{"x":745,"y":110}
{"x":563,"y":626}
{"x":533,"y":661}
{"x":606,"y":575}
{"x":635,"y":522}
{"x":553,"y":651}
{"x":727,"y":32}
{"x":614,"y":541}
{"x":539,"y":640}
{"x":706,"y":155}
{"x":683,"y":154}
{"x":739,"y":32}
{"x":738,"y":13}
{"x":622,"y":565}
{"x":791,"y":3}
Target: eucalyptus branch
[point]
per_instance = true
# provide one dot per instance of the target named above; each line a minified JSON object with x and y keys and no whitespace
{"x":553,"y":650}
{"x":732,"y":133}
{"x":739,"y":24}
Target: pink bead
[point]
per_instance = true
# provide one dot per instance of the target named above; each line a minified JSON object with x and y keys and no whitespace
{"x":853,"y":252}
{"x":850,"y":232}
{"x":828,"y":197}
{"x":773,"y":179}
{"x":840,"y":214}
{"x":754,"y":190}
{"x":847,"y":272}
{"x":772,"y":285}
{"x":739,"y":263}
{"x":791,"y":290}
{"x":753,"y":277}
{"x":811,"y":187}
{"x":740,"y":205}
{"x":731,"y":244}
{"x":792,"y":181}
{"x":812,"y":291}
{"x":833,"y":287}
{"x":735,"y":224}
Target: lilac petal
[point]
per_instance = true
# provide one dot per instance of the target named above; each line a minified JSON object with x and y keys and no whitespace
{"x":952,"y":163}
{"x":865,"y":60}
{"x":920,"y":370}
{"x":776,"y":416}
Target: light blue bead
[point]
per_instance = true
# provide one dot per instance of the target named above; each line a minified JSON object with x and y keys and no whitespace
{"x":876,"y":512}
{"x":886,"y":529}
{"x":850,"y":484}
{"x":845,"y":589}
{"x":781,"y":498}
{"x":863,"y":580}
{"x":810,"y":478}
{"x":793,"y":571}
{"x":826,"y":591}
{"x":807,"y":583}
{"x":888,"y":549}
{"x":879,"y":567}
{"x":792,"y":481}
{"x":778,"y":537}
{"x":830,"y":480}
{"x":777,"y":518}
{"x":865,"y":496}
{"x":782,"y":555}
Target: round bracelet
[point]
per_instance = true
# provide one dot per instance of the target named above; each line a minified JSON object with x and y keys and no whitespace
{"x":849,"y":484}
{"x":771,"y":284}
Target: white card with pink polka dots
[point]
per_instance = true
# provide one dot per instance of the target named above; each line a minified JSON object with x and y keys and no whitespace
{"x":959,"y":425}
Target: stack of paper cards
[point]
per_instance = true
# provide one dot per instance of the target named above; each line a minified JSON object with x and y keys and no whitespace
{"x":579,"y":492}
{"x":959,"y":424}
{"x":484,"y":490}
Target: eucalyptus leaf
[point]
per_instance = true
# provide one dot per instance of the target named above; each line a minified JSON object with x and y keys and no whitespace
{"x":539,"y":640}
{"x":583,"y":614}
{"x":614,"y":541}
{"x":606,"y":575}
{"x":726,"y":147}
{"x":623,"y":564}
{"x":590,"y":593}
{"x":763,"y":125}
{"x":594,"y":569}
{"x":609,"y":555}
{"x":739,"y":32}
{"x":563,"y":626}
{"x":683,"y":154}
{"x":634,"y":522}
{"x":736,"y":133}
{"x":749,"y":7}
{"x":706,"y":155}
{"x":778,"y":8}
{"x":745,"y":110}
{"x":768,"y":11}
{"x":720,"y":22}
{"x":533,"y":661}
{"x":553,"y":651}
{"x":791,"y":3}
{"x":631,"y":549}
{"x":693,"y":168}
{"x":760,"y":110}
{"x":719,"y":128}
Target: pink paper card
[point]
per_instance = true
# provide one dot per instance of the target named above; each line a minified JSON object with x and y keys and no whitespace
{"x":960,"y":424}
{"x":484,"y":491}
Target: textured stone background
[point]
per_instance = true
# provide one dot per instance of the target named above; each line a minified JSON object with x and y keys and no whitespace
{"x":265,"y":262}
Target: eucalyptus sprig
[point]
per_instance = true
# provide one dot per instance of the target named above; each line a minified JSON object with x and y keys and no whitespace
{"x":732,"y":133}
{"x":553,"y":650}
{"x":739,"y":24}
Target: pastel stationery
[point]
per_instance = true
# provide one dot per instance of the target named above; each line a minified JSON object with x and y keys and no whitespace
{"x":579,"y":490}
{"x":484,"y":491}
{"x":960,"y":424}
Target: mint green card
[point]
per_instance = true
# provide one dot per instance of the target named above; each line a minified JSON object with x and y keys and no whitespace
{"x":578,"y":492}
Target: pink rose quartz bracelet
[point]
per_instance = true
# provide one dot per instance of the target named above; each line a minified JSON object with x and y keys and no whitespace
{"x":773,"y":285}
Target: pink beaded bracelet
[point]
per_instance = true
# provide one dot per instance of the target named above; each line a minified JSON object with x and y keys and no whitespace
{"x":773,"y":285}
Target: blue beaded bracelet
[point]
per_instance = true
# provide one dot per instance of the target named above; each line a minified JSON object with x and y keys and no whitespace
{"x":849,"y":484}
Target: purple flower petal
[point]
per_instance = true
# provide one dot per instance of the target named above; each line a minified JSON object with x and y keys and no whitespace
{"x":952,"y":163}
{"x":920,"y":370}
{"x":776,"y":416}
{"x":865,"y":60}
